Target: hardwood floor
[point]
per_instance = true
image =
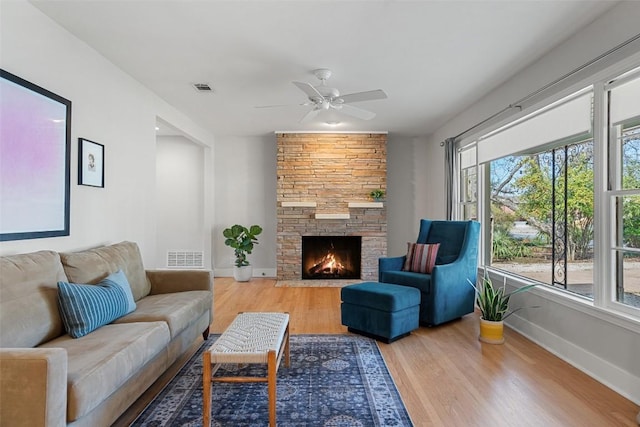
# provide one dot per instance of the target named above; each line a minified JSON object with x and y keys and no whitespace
{"x":445,"y":376}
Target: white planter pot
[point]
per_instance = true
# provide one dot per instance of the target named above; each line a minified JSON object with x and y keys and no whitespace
{"x":242,"y":274}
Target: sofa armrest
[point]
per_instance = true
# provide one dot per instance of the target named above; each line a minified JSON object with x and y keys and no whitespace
{"x":454,"y":272}
{"x":33,"y":387}
{"x":455,"y":275}
{"x":169,"y":281}
{"x":451,"y":290}
{"x":390,"y":264}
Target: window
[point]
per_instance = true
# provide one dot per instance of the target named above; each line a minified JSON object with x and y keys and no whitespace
{"x":468,"y":184}
{"x":624,"y":183}
{"x":541,"y":199}
{"x":542,"y":219}
{"x":558,"y":200}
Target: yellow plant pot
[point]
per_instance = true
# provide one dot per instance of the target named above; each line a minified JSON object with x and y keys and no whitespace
{"x":491,"y":332}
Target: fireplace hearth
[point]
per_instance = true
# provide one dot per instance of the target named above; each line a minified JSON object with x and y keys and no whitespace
{"x":331,"y":257}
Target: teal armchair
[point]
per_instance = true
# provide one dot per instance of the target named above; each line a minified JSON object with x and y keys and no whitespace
{"x":445,"y":293}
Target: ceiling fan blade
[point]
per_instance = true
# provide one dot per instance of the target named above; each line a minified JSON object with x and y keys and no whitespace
{"x":355,"y":112}
{"x":311,"y":91}
{"x":283,"y":105}
{"x":363,"y":96}
{"x":310,"y":115}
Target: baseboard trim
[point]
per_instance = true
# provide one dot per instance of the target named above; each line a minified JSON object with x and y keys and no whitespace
{"x":257,"y":272}
{"x":622,"y":382}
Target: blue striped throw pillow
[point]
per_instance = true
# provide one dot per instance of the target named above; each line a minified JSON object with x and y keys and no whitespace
{"x":85,"y":308}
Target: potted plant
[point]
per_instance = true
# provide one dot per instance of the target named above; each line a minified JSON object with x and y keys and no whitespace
{"x":494,"y":306}
{"x":242,"y":239}
{"x":377,"y":195}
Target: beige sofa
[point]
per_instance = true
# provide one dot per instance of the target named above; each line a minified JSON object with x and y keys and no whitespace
{"x":48,"y":378}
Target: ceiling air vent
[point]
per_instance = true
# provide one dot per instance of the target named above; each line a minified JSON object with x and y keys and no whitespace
{"x":202,"y":87}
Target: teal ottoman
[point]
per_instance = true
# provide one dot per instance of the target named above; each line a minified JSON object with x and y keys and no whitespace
{"x":380,"y":310}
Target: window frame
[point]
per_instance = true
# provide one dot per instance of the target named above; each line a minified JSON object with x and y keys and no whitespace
{"x":471,"y":152}
{"x":613,"y":191}
{"x":604,"y":302}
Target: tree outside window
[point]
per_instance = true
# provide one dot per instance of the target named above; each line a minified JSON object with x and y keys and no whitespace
{"x":522,"y":207}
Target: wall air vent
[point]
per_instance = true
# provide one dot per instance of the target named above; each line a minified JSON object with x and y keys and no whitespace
{"x":202,"y":87}
{"x":185,"y":259}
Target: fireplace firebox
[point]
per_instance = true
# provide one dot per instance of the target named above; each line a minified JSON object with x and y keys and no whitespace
{"x":331,"y":257}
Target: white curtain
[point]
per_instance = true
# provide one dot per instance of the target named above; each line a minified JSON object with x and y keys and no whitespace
{"x":451,"y":176}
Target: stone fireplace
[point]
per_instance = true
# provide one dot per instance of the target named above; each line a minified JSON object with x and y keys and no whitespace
{"x":323,"y":189}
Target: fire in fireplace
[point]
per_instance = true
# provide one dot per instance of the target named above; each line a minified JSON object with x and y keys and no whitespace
{"x":331,"y":257}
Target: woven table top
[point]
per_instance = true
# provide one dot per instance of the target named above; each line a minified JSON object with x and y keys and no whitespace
{"x":250,"y":337}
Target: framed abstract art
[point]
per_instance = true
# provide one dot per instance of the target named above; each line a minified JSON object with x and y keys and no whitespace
{"x":35,"y":136}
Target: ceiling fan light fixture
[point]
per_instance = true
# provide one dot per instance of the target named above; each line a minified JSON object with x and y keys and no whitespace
{"x":328,"y":92}
{"x":322,"y":73}
{"x":324,"y":98}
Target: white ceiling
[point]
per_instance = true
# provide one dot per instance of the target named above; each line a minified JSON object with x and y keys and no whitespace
{"x":432,"y":58}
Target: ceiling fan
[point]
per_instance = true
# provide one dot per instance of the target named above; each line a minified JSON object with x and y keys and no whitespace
{"x":323,"y":98}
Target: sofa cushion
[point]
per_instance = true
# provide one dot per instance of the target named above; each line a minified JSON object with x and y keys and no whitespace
{"x":29,"y":312}
{"x":93,"y":265}
{"x":421,"y":257}
{"x":408,"y":278}
{"x":178,"y":309}
{"x":101,"y":362}
{"x":85,"y":308}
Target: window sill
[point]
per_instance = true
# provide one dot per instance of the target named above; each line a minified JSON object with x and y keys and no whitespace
{"x":570,"y":300}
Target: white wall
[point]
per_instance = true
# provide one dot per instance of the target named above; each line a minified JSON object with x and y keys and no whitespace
{"x":245,"y":189}
{"x":399,"y":198}
{"x":429,"y":175}
{"x":180,"y":197}
{"x":415,"y":189}
{"x":109,"y":107}
{"x":601,"y":343}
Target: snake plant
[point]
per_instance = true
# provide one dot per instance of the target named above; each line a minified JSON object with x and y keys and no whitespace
{"x":494,"y":302}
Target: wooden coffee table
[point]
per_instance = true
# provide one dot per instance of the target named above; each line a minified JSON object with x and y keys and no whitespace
{"x":252,"y":338}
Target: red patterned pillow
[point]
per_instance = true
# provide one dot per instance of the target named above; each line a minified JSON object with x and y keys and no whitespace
{"x":421,"y":257}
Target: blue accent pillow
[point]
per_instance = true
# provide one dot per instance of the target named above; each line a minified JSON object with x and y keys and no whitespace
{"x":85,"y":308}
{"x":120,"y":279}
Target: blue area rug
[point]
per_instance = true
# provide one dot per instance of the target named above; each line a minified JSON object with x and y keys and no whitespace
{"x":333,"y":380}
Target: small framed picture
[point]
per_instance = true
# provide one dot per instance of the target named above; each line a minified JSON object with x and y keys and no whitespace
{"x":90,"y":163}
